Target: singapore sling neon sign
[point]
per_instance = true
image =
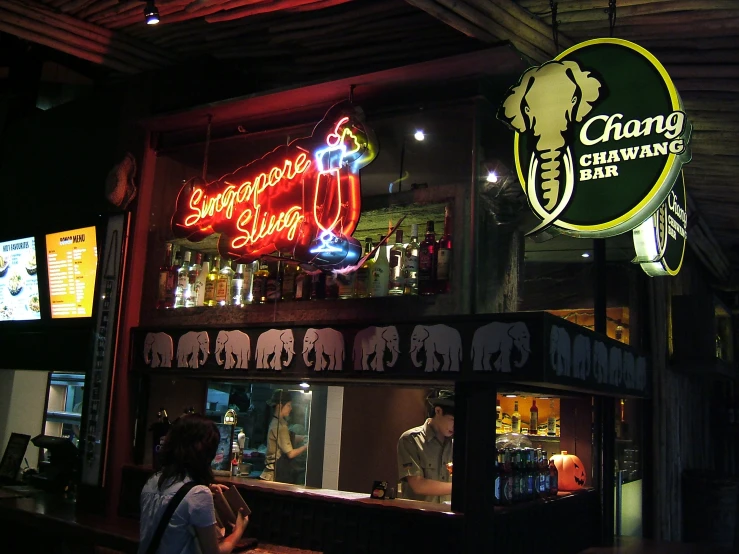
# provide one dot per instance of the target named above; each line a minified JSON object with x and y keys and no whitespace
{"x":302,"y":199}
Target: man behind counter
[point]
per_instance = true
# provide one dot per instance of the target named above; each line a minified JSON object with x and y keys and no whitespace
{"x":425,"y":453}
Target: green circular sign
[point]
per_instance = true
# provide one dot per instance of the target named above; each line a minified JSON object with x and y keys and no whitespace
{"x":601,"y":137}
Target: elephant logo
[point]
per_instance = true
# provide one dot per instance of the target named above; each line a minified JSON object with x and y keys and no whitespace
{"x":237,"y":348}
{"x":442,"y":347}
{"x":272,"y":345}
{"x":547,"y":102}
{"x":158,"y":350}
{"x":189,"y":348}
{"x":328,"y":346}
{"x":371,"y":346}
{"x":500,"y":340}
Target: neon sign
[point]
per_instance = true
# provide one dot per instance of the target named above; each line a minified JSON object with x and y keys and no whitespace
{"x":302,"y":199}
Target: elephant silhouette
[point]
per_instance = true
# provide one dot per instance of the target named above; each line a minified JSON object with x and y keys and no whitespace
{"x":546,"y":102}
{"x":237,"y":348}
{"x":560,"y":351}
{"x":272,"y":345}
{"x":372,"y":344}
{"x":436,"y":341}
{"x":500,"y":339}
{"x":158,"y":350}
{"x":328,"y":345}
{"x":189,"y":348}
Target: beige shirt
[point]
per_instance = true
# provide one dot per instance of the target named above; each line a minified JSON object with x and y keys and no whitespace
{"x":421,"y":454}
{"x":278,"y":443}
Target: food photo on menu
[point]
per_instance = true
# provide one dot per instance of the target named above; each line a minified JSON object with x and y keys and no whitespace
{"x":19,"y":299}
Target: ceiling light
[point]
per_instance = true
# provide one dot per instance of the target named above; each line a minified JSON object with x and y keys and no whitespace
{"x":419,"y":136}
{"x":304,"y":385}
{"x":151,"y":13}
{"x":492,"y":177}
{"x":510,"y":396}
{"x":585,"y":255}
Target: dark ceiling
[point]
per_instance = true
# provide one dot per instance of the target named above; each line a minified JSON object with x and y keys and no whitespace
{"x":279,"y":41}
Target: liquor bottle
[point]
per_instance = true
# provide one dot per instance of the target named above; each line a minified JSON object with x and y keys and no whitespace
{"x":346,"y":284}
{"x":444,"y":256}
{"x":380,"y":273}
{"x":289,"y":273}
{"x":543,"y":474}
{"x":302,"y":285}
{"x":498,"y":417}
{"x":332,"y":286}
{"x":223,"y":285}
{"x":515,"y":419}
{"x":534,"y":419}
{"x":518,"y":476}
{"x":551,"y":421}
{"x":410,"y":263}
{"x":249,"y":270}
{"x":363,"y":280}
{"x":396,"y":280}
{"x":167,"y":278}
{"x":506,"y":493}
{"x":237,"y":286}
{"x":235,"y":465}
{"x":259,"y":288}
{"x":719,"y":348}
{"x":274,"y":285}
{"x":202,"y":280}
{"x":553,"y":478}
{"x":318,"y":286}
{"x":497,"y":462}
{"x":183,"y":281}
{"x":191,"y":293}
{"x":209,"y":298}
{"x":530,"y":473}
{"x":427,"y":262}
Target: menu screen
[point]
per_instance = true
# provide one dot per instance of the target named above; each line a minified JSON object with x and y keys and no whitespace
{"x":72,"y":257}
{"x":18,"y":280}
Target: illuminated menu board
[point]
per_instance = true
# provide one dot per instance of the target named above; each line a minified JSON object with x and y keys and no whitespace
{"x":18,"y":281}
{"x":72,"y":258}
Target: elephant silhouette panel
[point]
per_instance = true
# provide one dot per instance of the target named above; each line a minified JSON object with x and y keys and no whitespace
{"x":328,"y":347}
{"x":236,"y":348}
{"x":546,"y":103}
{"x":158,"y":350}
{"x":501,"y":346}
{"x":275,"y":349}
{"x":373,"y":345}
{"x":190,"y":347}
{"x":440,"y":345}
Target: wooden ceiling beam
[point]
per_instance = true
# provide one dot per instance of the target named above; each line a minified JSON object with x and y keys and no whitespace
{"x":257,"y":8}
{"x":682,"y":8}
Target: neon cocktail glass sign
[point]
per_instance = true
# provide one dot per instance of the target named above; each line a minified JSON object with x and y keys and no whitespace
{"x":302,"y":199}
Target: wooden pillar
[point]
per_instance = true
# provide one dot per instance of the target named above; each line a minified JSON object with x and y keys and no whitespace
{"x":473,"y":487}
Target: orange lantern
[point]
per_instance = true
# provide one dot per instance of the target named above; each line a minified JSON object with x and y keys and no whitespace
{"x":571,"y":471}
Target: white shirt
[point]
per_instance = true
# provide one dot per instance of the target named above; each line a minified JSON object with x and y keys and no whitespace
{"x":195,"y":510}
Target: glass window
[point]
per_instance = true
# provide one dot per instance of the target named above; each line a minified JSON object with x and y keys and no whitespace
{"x":64,"y":406}
{"x":344,"y":448}
{"x":422,"y":165}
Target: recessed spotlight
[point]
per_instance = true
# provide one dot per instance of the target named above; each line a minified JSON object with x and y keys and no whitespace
{"x":304,"y":385}
{"x":492,"y":177}
{"x":510,"y":396}
{"x":585,"y":255}
{"x":419,"y":135}
{"x":151,"y":13}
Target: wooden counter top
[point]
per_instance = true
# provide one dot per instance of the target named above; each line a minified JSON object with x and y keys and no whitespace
{"x":56,"y":515}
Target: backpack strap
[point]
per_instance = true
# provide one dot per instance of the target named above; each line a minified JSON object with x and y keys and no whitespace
{"x":167,"y":515}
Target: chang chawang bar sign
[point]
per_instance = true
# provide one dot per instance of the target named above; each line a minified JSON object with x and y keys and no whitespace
{"x":601,"y":137}
{"x":660,"y":241}
{"x":302,"y":199}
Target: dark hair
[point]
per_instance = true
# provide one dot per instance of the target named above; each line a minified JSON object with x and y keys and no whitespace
{"x":188,"y":449}
{"x":445,"y":410}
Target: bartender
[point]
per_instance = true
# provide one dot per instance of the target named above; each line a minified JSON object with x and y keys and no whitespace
{"x":425,"y":454}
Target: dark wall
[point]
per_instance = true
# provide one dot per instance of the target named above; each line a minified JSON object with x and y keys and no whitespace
{"x":373,"y":420}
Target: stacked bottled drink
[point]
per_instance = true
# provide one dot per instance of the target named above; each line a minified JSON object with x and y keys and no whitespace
{"x":523,"y":474}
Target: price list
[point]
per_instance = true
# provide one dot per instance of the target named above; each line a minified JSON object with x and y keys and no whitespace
{"x":72,"y":263}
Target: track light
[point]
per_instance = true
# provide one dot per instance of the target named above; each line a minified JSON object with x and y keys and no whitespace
{"x":151,"y":13}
